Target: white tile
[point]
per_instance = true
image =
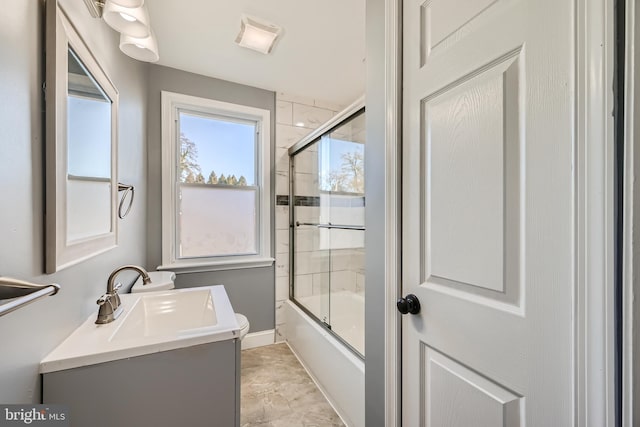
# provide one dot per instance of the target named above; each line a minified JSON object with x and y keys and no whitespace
{"x":312,"y":148}
{"x":357,"y":260}
{"x":280,"y":315}
{"x":303,"y":285}
{"x":304,"y":238}
{"x":343,"y":280}
{"x":283,"y":96}
{"x":333,"y":106}
{"x":282,"y":241}
{"x":282,"y":265}
{"x":312,"y":117}
{"x":282,"y":160}
{"x":360,"y":283}
{"x":302,"y":263}
{"x":306,"y":184}
{"x":287,"y":135}
{"x":307,"y":213}
{"x":282,"y":217}
{"x":282,"y":288}
{"x":359,"y":123}
{"x":311,"y":262}
{"x":282,"y":183}
{"x":319,"y":261}
{"x":359,"y":136}
{"x":306,"y":162}
{"x":324,"y":235}
{"x":320,"y":283}
{"x":343,"y":132}
{"x":284,"y":112}
{"x":340,"y":260}
{"x":281,"y":318}
{"x":317,"y":244}
{"x":280,"y":333}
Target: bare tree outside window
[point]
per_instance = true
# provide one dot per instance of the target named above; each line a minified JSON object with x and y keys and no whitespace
{"x":349,"y":178}
{"x":188,"y":160}
{"x":191,"y":171}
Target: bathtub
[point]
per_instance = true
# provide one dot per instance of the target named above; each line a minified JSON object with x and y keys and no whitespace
{"x":337,"y":371}
{"x":346,"y":316}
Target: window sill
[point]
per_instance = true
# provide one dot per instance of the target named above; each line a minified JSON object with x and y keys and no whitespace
{"x":201,"y":267}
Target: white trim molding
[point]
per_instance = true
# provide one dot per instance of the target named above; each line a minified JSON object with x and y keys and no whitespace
{"x":631,"y":315}
{"x":258,"y":339}
{"x":393,"y":225}
{"x":595,"y":217}
{"x":171,"y":103}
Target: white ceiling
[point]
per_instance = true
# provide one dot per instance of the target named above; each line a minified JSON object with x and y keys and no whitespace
{"x":319,"y":55}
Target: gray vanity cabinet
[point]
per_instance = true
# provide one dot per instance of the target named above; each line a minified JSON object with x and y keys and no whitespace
{"x":191,"y":387}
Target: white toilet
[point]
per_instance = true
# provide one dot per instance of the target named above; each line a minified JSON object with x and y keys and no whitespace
{"x":163,"y":280}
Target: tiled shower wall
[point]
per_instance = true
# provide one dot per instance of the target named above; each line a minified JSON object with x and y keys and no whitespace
{"x":296,"y":117}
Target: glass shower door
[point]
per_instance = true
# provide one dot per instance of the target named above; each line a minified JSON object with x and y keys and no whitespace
{"x":342,"y":211}
{"x":328,"y":229}
{"x":311,"y":253}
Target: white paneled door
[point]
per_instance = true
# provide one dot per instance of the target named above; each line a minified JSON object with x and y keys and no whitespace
{"x":488,"y":212}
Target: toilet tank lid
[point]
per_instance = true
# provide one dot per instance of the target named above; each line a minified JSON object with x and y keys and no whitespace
{"x":160,"y":281}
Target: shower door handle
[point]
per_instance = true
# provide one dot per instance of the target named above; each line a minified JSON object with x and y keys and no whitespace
{"x":408,"y":304}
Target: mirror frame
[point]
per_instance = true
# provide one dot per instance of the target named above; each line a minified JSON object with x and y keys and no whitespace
{"x":61,"y":36}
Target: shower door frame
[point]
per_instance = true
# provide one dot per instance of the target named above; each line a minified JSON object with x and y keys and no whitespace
{"x":349,"y":113}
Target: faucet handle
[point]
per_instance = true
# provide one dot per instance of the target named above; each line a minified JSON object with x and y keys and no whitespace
{"x":116,"y":287}
{"x":106,"y":298}
{"x":107,"y":312}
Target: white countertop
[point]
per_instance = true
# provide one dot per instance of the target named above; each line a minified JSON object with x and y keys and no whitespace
{"x":91,"y":343}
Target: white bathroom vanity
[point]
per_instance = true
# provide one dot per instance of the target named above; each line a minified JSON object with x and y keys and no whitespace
{"x":171,"y":358}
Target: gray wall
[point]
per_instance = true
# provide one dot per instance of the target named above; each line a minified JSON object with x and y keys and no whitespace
{"x":374,"y":216}
{"x":249,"y":289}
{"x":28,"y":334}
{"x":251,"y":292}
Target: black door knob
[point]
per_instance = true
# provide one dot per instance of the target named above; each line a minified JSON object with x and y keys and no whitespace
{"x":408,"y":304}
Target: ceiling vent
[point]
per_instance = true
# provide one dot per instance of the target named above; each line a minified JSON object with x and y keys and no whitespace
{"x":257,"y":34}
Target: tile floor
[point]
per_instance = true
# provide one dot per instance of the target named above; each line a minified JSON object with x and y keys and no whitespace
{"x":276,"y":391}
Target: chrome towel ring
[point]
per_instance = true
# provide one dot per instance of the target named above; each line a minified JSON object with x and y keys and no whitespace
{"x":127,"y":189}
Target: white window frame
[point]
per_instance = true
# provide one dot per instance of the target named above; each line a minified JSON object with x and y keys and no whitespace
{"x":171,"y":104}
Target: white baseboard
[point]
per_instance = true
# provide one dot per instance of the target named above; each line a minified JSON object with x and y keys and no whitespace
{"x":259,"y":339}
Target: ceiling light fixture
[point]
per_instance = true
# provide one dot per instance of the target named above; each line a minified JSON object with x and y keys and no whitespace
{"x":133,"y":22}
{"x":127,"y":17}
{"x":257,"y":34}
{"x":131,"y":19}
{"x":143,"y":49}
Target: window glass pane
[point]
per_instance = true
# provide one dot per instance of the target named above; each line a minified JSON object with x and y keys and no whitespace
{"x":216,"y":150}
{"x":218,"y":161}
{"x":216,"y":221}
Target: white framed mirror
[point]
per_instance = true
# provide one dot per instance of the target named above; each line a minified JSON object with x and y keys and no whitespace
{"x":81,"y":148}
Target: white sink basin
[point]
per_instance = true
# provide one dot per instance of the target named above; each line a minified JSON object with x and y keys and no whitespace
{"x":169,"y":313}
{"x":151,"y":322}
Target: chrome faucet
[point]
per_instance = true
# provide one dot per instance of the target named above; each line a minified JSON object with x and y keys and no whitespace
{"x":109,"y":303}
